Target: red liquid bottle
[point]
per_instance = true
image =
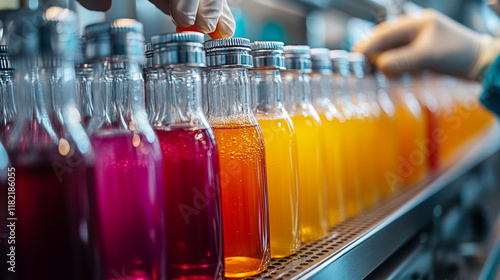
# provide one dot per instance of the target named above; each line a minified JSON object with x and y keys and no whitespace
{"x":49,"y":151}
{"x":190,"y":163}
{"x":127,"y":201}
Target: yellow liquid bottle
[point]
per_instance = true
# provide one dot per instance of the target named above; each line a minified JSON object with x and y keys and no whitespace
{"x":349,"y":127}
{"x":370,"y":112}
{"x":310,"y":152}
{"x":412,"y":132}
{"x":282,"y":175}
{"x":331,"y":126}
{"x":280,"y":145}
{"x":386,"y":140}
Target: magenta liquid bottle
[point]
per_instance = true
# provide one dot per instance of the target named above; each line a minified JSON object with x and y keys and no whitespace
{"x":190,"y":163}
{"x":51,"y":156}
{"x":127,"y":201}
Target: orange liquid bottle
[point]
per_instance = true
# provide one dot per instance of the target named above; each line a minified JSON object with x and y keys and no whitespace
{"x":453,"y":118}
{"x":475,"y":117}
{"x":370,"y":113}
{"x":412,"y":132}
{"x":331,"y":118}
{"x":310,"y":150}
{"x":387,"y":139}
{"x":240,"y":145}
{"x":349,"y":125}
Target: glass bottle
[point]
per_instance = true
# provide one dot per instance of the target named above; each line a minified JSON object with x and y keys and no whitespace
{"x":280,"y":145}
{"x":128,"y":198}
{"x":313,"y":214}
{"x":242,"y":158}
{"x":412,"y":131}
{"x":330,"y":116}
{"x":84,"y":77}
{"x":7,"y":105}
{"x":367,"y":134}
{"x":387,"y":138}
{"x":49,"y":150}
{"x":350,"y":125}
{"x":153,"y":98}
{"x":190,"y":163}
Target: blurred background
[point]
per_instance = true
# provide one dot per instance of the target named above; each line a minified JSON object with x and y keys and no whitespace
{"x":334,"y":24}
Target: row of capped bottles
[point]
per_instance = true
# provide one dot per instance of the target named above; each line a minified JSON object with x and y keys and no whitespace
{"x":234,"y":153}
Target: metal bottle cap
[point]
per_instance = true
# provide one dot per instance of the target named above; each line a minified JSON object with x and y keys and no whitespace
{"x":184,"y":48}
{"x":320,"y":60}
{"x":98,"y":43}
{"x":340,"y":62}
{"x":127,"y":38}
{"x":356,"y":63}
{"x":229,"y":52}
{"x":4,"y":58}
{"x":51,"y":32}
{"x":268,"y":54}
{"x":297,"y":58}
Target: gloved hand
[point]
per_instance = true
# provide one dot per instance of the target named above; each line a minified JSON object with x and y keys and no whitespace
{"x":430,"y":41}
{"x":207,"y":15}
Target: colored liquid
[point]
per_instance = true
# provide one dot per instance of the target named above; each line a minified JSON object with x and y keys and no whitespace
{"x":282,"y":184}
{"x":368,"y":115}
{"x":244,"y":196}
{"x":52,"y":240}
{"x":368,"y":160}
{"x":128,"y":202}
{"x":433,"y":145}
{"x":386,"y":142}
{"x":192,"y":204}
{"x":349,"y":158}
{"x":332,"y":140}
{"x":312,"y":183}
{"x":412,"y":131}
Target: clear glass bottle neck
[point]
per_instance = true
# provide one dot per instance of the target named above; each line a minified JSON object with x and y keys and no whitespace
{"x":340,"y":88}
{"x":84,"y":80}
{"x":182,"y":98}
{"x":45,"y":88}
{"x":322,"y":89}
{"x":229,"y":92}
{"x":118,"y":91}
{"x":7,"y":105}
{"x":356,"y":83}
{"x":267,"y":91}
{"x":297,"y":89}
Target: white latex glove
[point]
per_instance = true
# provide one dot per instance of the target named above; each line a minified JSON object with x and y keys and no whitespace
{"x":205,"y":14}
{"x":430,"y":41}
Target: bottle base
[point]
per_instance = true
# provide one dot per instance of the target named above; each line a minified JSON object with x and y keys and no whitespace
{"x":239,"y":267}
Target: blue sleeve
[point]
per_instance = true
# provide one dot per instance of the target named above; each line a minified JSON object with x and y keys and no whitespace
{"x":491,"y":88}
